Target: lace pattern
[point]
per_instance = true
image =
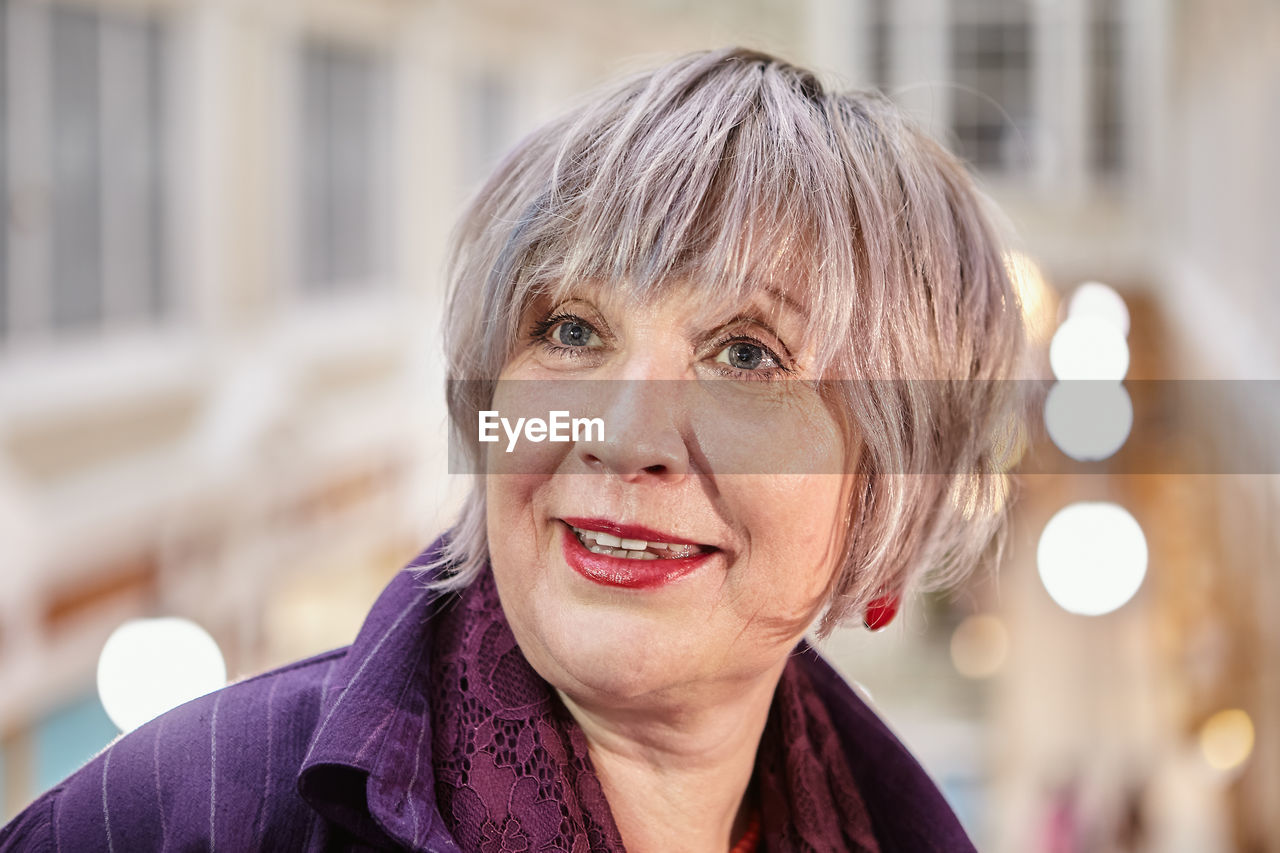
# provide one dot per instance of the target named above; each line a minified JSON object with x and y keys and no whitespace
{"x":513,"y":773}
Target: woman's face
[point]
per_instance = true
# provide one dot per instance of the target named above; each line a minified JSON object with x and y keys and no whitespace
{"x":717,"y":461}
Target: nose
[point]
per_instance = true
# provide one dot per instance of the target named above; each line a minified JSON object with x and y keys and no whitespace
{"x":644,"y":432}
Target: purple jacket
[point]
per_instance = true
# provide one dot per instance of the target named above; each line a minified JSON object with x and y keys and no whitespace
{"x":324,"y":754}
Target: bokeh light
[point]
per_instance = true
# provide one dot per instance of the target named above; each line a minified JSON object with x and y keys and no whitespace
{"x":1089,"y":347}
{"x":1038,"y":300}
{"x":1088,"y":421}
{"x":979,"y":646}
{"x":1226,"y":739}
{"x":151,"y":665}
{"x":1095,"y":299}
{"x":1092,"y":557}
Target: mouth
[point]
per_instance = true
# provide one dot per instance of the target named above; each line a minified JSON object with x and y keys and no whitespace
{"x":628,"y":548}
{"x":628,"y":555}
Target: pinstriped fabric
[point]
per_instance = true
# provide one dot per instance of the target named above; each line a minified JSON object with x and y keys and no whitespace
{"x":213,"y":775}
{"x":419,"y":747}
{"x":326,"y":683}
{"x":222,"y":772}
{"x":155,"y":767}
{"x":365,"y":660}
{"x":261,"y":817}
{"x":181,"y":782}
{"x":57,"y":845}
{"x":106,"y":809}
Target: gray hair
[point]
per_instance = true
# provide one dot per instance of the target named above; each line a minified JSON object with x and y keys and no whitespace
{"x":733,"y":169}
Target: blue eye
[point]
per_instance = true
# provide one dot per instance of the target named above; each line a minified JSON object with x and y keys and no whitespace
{"x":744,"y":356}
{"x":573,"y":333}
{"x":564,"y":333}
{"x":748,"y":356}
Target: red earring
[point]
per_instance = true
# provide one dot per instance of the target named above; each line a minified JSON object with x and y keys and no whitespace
{"x":880,"y":612}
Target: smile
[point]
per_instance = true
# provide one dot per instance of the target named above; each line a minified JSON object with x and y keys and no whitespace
{"x":619,"y":558}
{"x":600,"y":542}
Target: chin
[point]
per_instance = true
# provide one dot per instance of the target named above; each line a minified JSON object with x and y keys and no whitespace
{"x":596,"y":653}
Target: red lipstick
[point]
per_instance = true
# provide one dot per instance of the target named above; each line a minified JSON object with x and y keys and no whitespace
{"x":627,"y":531}
{"x":624,"y":572}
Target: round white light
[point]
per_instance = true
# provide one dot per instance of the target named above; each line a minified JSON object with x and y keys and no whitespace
{"x":1095,"y":299}
{"x":1088,"y":420}
{"x":1088,"y":348}
{"x":1092,"y":557}
{"x":151,"y":665}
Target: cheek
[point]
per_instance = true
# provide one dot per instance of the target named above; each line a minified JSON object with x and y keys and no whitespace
{"x":793,"y":517}
{"x":809,"y":515}
{"x":509,"y":496}
{"x":793,"y":525}
{"x":778,"y":428}
{"x":515,"y":539}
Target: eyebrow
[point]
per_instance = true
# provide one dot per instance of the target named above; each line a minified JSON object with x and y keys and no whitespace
{"x":787,"y":300}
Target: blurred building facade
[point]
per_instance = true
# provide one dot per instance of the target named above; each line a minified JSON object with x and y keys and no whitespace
{"x":220,"y":389}
{"x":1125,"y":142}
{"x":220,"y":284}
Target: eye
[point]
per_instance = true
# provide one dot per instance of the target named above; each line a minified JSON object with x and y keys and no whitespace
{"x":566,"y":335}
{"x":749,"y":355}
{"x":573,"y":332}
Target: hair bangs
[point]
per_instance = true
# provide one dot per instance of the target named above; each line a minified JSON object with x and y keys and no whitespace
{"x":731,"y":189}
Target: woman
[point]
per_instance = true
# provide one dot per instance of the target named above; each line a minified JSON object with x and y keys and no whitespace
{"x":764,"y":282}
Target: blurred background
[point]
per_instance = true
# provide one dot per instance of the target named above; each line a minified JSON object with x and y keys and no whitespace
{"x":221,"y":412}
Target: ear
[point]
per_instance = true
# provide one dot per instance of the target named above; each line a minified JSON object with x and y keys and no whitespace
{"x":880,"y":612}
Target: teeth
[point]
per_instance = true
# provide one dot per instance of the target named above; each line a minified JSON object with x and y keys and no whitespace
{"x":632,"y":549}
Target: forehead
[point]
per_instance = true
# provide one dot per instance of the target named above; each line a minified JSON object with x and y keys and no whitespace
{"x":707,"y":300}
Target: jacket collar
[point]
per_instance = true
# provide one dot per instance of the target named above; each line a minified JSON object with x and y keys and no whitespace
{"x":368,"y":766}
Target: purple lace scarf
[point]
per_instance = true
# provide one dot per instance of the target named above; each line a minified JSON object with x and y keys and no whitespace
{"x":513,"y":774}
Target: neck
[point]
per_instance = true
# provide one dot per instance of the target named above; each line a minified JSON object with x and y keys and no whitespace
{"x":676,"y":774}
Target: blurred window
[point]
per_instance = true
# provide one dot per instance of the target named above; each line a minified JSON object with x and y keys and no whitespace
{"x":488,"y":121}
{"x":69,"y":737}
{"x":1106,"y":125}
{"x":878,"y":43}
{"x":991,"y":65}
{"x":82,"y":173}
{"x":75,"y":174}
{"x":345,"y":149}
